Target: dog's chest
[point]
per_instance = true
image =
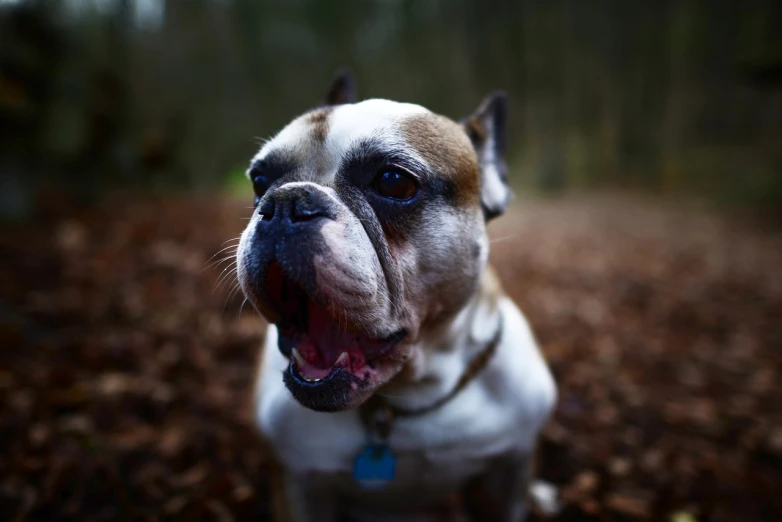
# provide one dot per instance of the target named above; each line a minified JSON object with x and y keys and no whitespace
{"x":439,"y":450}
{"x":423,"y":478}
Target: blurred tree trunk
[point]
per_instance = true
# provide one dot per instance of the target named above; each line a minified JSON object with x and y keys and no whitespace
{"x":666,"y":95}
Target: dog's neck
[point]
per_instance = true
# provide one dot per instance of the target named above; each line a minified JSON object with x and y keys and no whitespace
{"x":444,"y":355}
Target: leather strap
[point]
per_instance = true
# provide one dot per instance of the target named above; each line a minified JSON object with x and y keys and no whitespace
{"x":378,"y":414}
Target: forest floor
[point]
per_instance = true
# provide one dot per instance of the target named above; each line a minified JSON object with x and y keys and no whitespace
{"x":125,"y":379}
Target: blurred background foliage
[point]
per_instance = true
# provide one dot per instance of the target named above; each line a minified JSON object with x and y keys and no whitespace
{"x":678,"y":97}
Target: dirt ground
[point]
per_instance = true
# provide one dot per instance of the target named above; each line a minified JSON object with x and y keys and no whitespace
{"x":125,"y":379}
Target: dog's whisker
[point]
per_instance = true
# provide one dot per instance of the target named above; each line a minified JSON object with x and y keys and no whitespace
{"x":227,"y":265}
{"x":223,"y":274}
{"x":224,"y":249}
{"x":208,"y":261}
{"x":257,"y":313}
{"x":241,"y":307}
{"x":227,"y":272}
{"x":233,"y":292}
{"x":223,"y":260}
{"x":217,"y":263}
{"x":230,"y":257}
{"x":236,"y":287}
{"x":504,"y":238}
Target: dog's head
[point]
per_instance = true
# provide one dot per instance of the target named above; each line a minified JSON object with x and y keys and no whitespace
{"x":369,"y":232}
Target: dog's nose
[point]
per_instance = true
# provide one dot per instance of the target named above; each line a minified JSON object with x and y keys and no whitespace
{"x":295,"y":204}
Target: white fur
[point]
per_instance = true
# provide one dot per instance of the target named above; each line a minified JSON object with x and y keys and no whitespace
{"x":347,"y":124}
{"x":494,"y":191}
{"x":371,"y":118}
{"x":501,"y":410}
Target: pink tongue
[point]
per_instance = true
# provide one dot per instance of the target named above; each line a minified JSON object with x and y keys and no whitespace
{"x":330,"y":338}
{"x":313,"y":372}
{"x":325,"y":341}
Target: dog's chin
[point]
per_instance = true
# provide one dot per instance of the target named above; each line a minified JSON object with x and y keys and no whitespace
{"x":334,"y":364}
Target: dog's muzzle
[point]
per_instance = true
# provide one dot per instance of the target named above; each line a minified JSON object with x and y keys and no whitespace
{"x":287,"y":235}
{"x":303,"y":268}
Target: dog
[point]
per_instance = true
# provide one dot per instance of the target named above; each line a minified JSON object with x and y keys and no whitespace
{"x":396,"y":381}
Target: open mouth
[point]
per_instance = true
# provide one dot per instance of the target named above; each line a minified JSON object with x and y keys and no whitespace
{"x":319,"y":341}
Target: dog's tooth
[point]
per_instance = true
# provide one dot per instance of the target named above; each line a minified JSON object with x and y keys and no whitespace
{"x":343,"y":356}
{"x":300,"y":362}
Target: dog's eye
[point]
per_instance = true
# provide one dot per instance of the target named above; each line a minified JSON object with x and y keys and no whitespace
{"x":260,"y":186}
{"x":395,"y":185}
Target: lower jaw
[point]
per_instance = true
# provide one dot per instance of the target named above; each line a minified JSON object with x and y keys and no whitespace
{"x":338,"y":391}
{"x":294,"y":372}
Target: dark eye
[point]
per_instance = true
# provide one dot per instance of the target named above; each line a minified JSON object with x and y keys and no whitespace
{"x":395,"y":185}
{"x":260,"y":186}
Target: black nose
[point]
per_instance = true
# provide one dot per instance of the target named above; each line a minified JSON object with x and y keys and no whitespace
{"x":298,"y":203}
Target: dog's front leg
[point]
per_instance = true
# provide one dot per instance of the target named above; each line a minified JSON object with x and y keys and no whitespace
{"x":500,"y":493}
{"x":299,"y":499}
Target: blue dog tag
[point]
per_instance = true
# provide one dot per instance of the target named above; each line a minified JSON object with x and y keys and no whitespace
{"x":374,"y":467}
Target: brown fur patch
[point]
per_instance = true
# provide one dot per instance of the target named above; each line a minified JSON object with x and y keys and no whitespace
{"x":445,"y":146}
{"x":319,"y":119}
{"x":475,"y":129}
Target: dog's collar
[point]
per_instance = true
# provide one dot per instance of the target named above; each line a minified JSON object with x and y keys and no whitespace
{"x":378,"y":414}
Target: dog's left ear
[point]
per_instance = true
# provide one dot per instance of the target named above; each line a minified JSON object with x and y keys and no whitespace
{"x":486,"y":129}
{"x":343,"y":88}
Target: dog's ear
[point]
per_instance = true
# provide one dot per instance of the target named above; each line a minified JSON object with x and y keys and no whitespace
{"x":343,"y":88}
{"x":486,"y":128}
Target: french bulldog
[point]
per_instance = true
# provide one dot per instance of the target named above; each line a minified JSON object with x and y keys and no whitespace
{"x":396,"y":381}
